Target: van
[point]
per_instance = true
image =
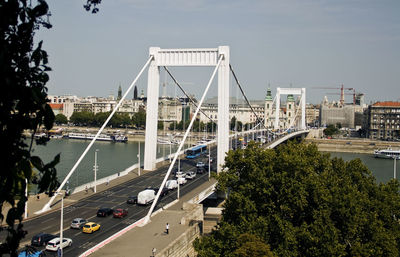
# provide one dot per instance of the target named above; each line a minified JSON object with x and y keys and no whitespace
{"x":171,"y":184}
{"x":146,"y":197}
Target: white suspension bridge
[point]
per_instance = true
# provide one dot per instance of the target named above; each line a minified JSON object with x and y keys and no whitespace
{"x":219,"y":58}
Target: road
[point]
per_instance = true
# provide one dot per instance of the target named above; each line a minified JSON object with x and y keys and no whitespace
{"x":114,"y":197}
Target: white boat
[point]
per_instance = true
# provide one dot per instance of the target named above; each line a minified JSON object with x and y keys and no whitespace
{"x":388,"y":153}
{"x":101,"y":137}
{"x":162,"y":141}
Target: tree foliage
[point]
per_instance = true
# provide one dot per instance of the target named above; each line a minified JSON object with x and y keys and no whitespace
{"x":331,"y":130}
{"x":300,"y":202}
{"x":23,"y":76}
{"x":60,"y":119}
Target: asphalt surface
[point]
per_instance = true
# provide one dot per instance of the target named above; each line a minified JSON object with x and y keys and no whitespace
{"x":115,"y":197}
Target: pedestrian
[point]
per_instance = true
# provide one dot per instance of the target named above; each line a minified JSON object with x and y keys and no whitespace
{"x":37,"y":197}
{"x":86,"y":189}
{"x":167,"y":228}
{"x":153,"y":252}
{"x":108,"y":181}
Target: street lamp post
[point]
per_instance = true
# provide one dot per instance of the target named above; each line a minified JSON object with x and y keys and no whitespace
{"x":209,"y":164}
{"x":26,"y":195}
{"x":179,"y":169}
{"x":95,"y":169}
{"x":61,"y":224}
{"x":394,"y":167}
{"x":138,"y":159}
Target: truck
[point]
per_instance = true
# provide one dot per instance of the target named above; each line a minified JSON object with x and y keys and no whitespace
{"x":146,"y":197}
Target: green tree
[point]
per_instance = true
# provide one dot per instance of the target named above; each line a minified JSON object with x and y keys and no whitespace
{"x":23,"y":77}
{"x":300,"y":202}
{"x":61,"y":119}
{"x":139,"y":118}
{"x":83,"y":118}
{"x":330,"y":130}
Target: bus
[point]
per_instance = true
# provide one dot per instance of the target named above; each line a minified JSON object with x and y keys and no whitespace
{"x":196,"y":151}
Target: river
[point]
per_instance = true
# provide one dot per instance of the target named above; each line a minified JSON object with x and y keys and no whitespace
{"x":111,"y":157}
{"x":115,"y":157}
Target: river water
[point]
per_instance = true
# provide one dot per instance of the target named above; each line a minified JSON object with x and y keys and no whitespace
{"x":111,"y":157}
{"x":116,"y":157}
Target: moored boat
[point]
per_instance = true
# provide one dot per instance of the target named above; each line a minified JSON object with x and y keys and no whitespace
{"x":388,"y":153}
{"x":101,"y":137}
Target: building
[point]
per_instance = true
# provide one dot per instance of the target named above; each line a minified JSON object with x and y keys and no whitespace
{"x":384,"y":121}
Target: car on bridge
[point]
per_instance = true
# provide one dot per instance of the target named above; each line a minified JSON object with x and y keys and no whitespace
{"x":180,"y":174}
{"x":42,"y":239}
{"x":78,"y":223}
{"x":190,"y":175}
{"x":120,"y":213}
{"x":200,"y":165}
{"x":132,"y":200}
{"x":171,"y":184}
{"x":54,"y":244}
{"x":90,"y":227}
{"x":181,"y":181}
{"x":103,"y":212}
{"x":164,"y":191}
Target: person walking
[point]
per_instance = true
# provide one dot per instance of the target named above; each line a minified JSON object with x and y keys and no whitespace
{"x":167,"y":228}
{"x":153,"y":252}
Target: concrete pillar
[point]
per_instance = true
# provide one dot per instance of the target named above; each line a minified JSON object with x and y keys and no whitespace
{"x":223,"y":107}
{"x":150,"y":149}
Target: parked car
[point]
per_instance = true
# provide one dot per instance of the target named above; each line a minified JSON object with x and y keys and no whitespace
{"x":190,"y":175}
{"x":120,"y":213}
{"x":41,"y":239}
{"x":103,"y":212}
{"x":54,"y":244}
{"x":132,"y":200}
{"x":181,"y":181}
{"x":171,"y":184}
{"x":78,"y":223}
{"x":90,"y":227}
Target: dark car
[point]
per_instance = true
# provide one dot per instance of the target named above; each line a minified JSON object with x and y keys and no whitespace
{"x":132,"y":200}
{"x":164,"y":191}
{"x":41,"y":239}
{"x":119,"y":213}
{"x":103,"y":212}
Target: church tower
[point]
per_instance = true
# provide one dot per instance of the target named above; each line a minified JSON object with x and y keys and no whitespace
{"x":268,"y":116}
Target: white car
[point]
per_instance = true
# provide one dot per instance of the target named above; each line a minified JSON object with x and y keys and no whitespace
{"x":171,"y":184}
{"x":54,"y":244}
{"x":181,"y":181}
{"x":200,"y":165}
{"x":180,"y":174}
{"x":190,"y":175}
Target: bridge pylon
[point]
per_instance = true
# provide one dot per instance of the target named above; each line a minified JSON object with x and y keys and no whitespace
{"x":182,"y":58}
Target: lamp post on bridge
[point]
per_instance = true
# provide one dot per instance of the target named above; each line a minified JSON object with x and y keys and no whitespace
{"x":95,"y":170}
{"x":394,"y":167}
{"x":138,"y":158}
{"x":61,"y":224}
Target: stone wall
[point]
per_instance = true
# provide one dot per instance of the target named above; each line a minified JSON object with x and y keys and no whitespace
{"x":183,"y":245}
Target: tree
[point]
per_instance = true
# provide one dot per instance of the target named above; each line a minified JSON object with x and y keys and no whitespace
{"x":61,"y":119}
{"x":330,"y":130}
{"x":84,"y":118}
{"x":300,"y":202}
{"x":139,"y":118}
{"x":23,"y":76}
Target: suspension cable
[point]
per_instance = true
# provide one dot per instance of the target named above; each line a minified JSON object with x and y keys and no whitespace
{"x":187,"y":95}
{"x":245,"y":97}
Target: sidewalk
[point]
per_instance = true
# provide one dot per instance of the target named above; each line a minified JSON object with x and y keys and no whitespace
{"x":140,"y":241}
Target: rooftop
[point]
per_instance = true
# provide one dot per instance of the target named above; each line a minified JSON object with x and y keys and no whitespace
{"x":387,"y":104}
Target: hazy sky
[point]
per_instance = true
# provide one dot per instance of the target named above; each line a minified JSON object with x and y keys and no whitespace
{"x":300,"y":43}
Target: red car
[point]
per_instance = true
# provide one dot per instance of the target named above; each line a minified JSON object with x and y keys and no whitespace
{"x":119,"y":213}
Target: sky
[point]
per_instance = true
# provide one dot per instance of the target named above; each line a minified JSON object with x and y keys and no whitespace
{"x":319,"y":45}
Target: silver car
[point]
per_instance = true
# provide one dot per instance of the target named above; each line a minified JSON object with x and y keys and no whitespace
{"x":78,"y":223}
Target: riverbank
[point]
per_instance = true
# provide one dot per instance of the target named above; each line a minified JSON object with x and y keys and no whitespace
{"x":134,"y":135}
{"x":351,"y":145}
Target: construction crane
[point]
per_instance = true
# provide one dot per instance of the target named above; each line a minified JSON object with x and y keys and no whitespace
{"x":342,"y":88}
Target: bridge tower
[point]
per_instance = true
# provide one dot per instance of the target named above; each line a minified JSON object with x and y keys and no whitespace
{"x":291,"y":91}
{"x":184,"y":58}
